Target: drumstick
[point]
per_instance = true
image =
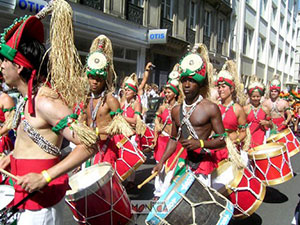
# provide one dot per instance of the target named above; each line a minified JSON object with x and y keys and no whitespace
{"x":147,"y":180}
{"x":8,"y":174}
{"x":175,"y":159}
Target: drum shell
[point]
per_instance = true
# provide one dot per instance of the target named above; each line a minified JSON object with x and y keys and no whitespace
{"x":238,"y":180}
{"x":130,"y":157}
{"x":289,"y":139}
{"x":175,"y":209}
{"x":103,"y":202}
{"x":147,"y":138}
{"x":265,"y":159}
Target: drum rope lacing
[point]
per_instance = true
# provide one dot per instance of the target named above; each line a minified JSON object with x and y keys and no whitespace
{"x":283,"y":163}
{"x":248,"y":188}
{"x":107,"y":202}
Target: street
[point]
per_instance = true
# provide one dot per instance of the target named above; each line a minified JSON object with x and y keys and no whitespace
{"x":277,"y":209}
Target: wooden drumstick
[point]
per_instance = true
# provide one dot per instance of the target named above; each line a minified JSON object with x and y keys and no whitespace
{"x":9,"y":174}
{"x":147,"y":180}
{"x":175,"y":159}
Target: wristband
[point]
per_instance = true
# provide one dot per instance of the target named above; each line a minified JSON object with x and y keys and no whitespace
{"x":201,"y":143}
{"x":46,"y":176}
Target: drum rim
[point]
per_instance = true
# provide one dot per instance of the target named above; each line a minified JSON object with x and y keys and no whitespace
{"x":254,"y":152}
{"x":276,"y":137}
{"x":131,"y":170}
{"x":279,"y":180}
{"x":78,"y":194}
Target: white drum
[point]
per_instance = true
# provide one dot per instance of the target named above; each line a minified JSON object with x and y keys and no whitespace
{"x":7,"y":194}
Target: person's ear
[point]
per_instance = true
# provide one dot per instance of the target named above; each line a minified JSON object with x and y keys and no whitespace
{"x":19,"y":68}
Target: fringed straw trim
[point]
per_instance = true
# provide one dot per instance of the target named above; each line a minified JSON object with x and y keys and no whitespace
{"x":9,"y":121}
{"x":85,"y":134}
{"x":119,"y":126}
{"x":234,"y":155}
{"x":247,"y":140}
{"x":140,"y":127}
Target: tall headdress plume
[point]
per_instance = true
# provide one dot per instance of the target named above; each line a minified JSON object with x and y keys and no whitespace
{"x":100,"y":61}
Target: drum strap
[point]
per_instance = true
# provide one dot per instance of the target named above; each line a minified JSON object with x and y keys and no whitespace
{"x":193,"y":160}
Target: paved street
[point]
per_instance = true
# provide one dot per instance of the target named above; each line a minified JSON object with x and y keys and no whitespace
{"x":277,"y":209}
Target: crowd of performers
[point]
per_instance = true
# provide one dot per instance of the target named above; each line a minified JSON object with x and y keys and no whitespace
{"x":207,"y":128}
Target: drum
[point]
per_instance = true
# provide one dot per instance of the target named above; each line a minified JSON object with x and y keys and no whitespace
{"x":288,"y":138}
{"x":271,"y":163}
{"x":188,"y":201}
{"x":147,"y":138}
{"x":7,"y":194}
{"x":129,"y":157}
{"x":241,"y":187}
{"x":98,"y":197}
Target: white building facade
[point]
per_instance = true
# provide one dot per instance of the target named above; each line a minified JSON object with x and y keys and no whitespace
{"x":263,"y":39}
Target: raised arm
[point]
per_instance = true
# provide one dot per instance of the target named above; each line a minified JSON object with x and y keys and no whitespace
{"x":145,"y":78}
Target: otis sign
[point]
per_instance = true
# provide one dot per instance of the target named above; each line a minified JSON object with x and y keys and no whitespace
{"x":158,"y":36}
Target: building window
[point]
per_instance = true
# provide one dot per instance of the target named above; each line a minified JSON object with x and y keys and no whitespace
{"x":288,"y":28}
{"x":248,"y":36}
{"x":261,"y":48}
{"x":220,"y":30}
{"x":139,"y":3}
{"x":279,"y":57}
{"x":167,"y":9}
{"x":192,"y":15}
{"x":207,"y":23}
{"x":271,"y":53}
{"x":263,"y":5}
{"x":274,"y":12}
{"x":281,"y":21}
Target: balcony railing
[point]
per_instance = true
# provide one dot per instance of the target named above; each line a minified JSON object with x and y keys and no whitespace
{"x":190,"y":36}
{"x":135,"y":14}
{"x":96,"y":4}
{"x":167,"y":24}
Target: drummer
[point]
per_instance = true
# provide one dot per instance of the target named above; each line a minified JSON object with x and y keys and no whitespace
{"x":43,"y":116}
{"x":163,"y":127}
{"x":102,"y":105}
{"x":278,"y":108}
{"x":258,"y":117}
{"x":233,"y":115}
{"x":193,"y":121}
{"x":132,"y":112}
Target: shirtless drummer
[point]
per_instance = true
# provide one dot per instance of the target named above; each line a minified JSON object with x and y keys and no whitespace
{"x":279,"y":108}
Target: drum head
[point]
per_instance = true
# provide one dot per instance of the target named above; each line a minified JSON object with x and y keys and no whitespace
{"x":100,"y":173}
{"x":7,"y":194}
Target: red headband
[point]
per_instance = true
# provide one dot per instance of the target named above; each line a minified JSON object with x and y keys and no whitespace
{"x":226,"y":80}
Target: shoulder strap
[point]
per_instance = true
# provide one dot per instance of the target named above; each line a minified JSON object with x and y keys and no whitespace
{"x":184,"y":130}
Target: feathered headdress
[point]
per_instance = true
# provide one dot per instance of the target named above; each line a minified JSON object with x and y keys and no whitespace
{"x":100,"y":61}
{"x":131,"y":82}
{"x":229,"y":76}
{"x":255,"y":85}
{"x":275,"y":83}
{"x":196,"y":65}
